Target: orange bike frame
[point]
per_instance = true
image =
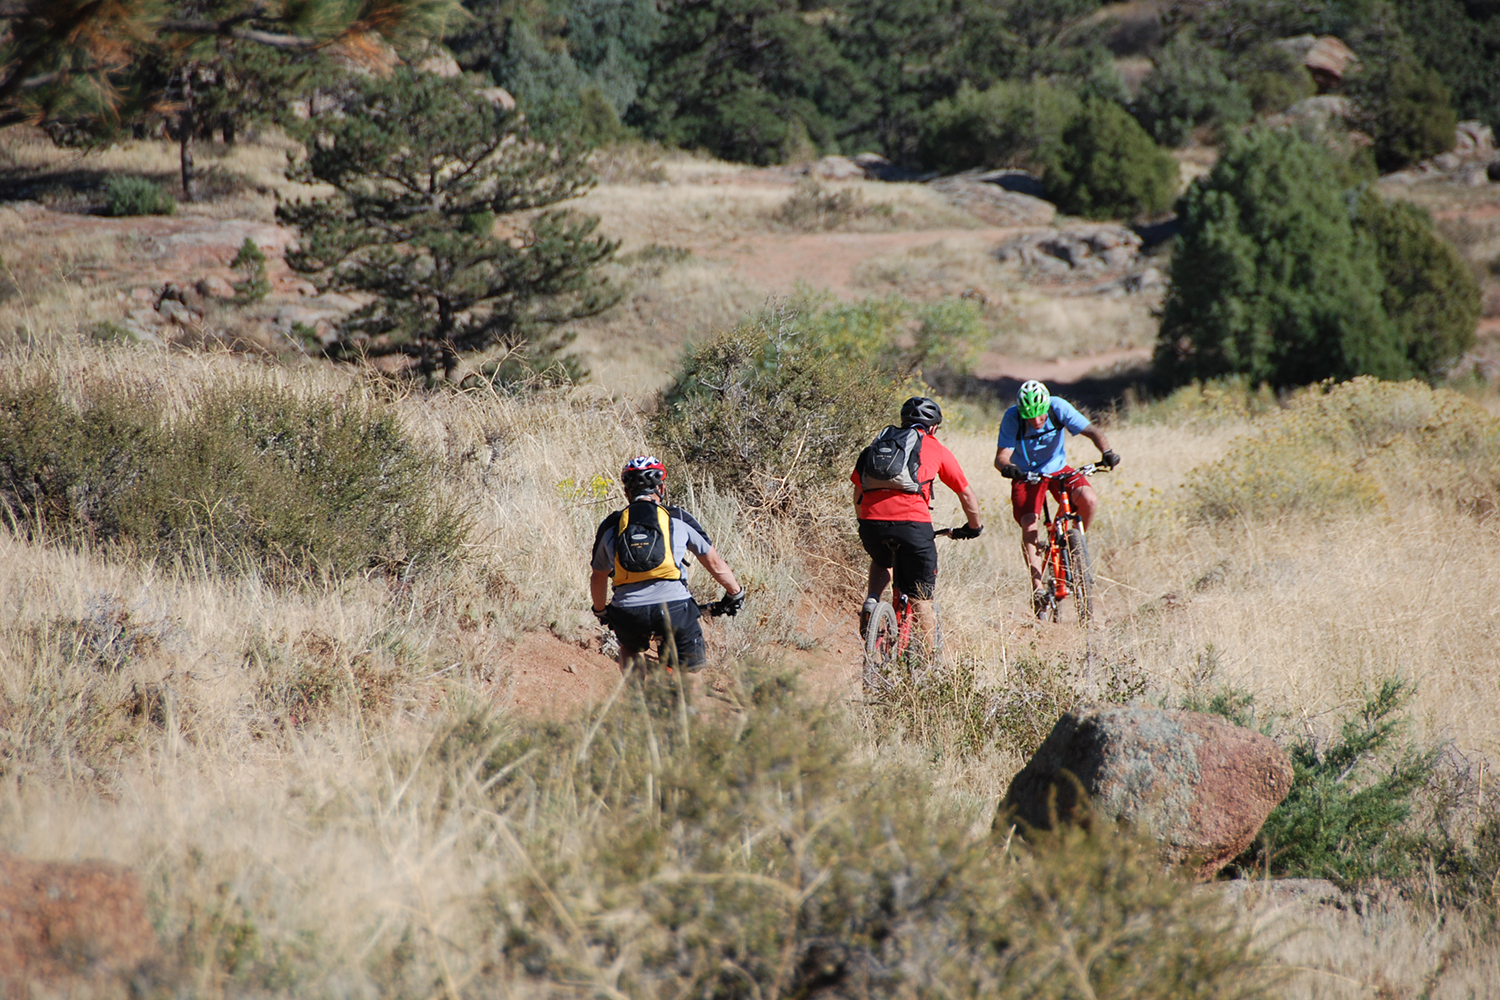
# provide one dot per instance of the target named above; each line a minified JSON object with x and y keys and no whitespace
{"x":1057,"y":537}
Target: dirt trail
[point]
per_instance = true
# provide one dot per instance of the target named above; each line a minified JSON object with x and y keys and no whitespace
{"x":778,"y":262}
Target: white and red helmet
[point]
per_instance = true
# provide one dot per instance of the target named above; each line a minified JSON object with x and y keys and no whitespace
{"x":643,"y":474}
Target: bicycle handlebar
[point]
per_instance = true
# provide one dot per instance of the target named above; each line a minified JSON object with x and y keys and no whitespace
{"x":1082,"y":470}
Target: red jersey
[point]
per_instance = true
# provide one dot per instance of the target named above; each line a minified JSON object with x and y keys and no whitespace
{"x":893,"y":505}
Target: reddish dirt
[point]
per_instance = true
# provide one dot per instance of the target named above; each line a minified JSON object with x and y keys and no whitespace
{"x":778,"y":263}
{"x":551,"y":677}
{"x":66,"y":925}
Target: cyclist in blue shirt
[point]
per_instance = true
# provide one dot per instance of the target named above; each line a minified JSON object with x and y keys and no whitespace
{"x":1032,"y":445}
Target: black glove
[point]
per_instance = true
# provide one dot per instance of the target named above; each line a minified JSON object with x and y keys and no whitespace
{"x":730,"y":604}
{"x":603,"y":615}
{"x":1110,"y":459}
{"x":964,"y":531}
{"x":1011,"y":472}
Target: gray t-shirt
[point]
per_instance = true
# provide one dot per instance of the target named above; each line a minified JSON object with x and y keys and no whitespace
{"x":687,"y":536}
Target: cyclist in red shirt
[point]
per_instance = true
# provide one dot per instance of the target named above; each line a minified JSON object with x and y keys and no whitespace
{"x":895,"y":524}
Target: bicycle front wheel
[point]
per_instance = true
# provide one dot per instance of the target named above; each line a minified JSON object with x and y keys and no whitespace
{"x":881,"y":637}
{"x":1080,"y":568}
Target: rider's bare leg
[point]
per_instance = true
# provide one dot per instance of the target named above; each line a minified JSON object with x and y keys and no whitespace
{"x":880,"y":578}
{"x":1030,"y":536}
{"x":1086,"y":502}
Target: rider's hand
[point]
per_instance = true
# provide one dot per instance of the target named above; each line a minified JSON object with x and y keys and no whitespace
{"x":1110,"y":459}
{"x":602,"y":614}
{"x":1012,"y":472}
{"x":730,"y":604}
{"x":964,"y":531}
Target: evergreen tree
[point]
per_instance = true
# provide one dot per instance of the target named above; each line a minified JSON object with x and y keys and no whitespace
{"x":746,"y":80}
{"x":1187,"y":88}
{"x":1106,"y":166}
{"x":423,"y":168}
{"x":85,"y":68}
{"x":1269,"y":276}
{"x":1430,"y":294}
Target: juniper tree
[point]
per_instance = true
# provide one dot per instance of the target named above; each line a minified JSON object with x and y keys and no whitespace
{"x":435,"y":215}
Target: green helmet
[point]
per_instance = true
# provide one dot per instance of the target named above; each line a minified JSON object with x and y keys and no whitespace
{"x":1033,"y":400}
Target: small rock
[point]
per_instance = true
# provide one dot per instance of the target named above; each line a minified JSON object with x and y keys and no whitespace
{"x":1473,"y":138}
{"x":215,"y":287}
{"x":1446,"y":162}
{"x":498,"y":96}
{"x":178,"y":313}
{"x":1117,"y":257}
{"x":1148,"y":279}
{"x":64,"y":927}
{"x":143,"y":295}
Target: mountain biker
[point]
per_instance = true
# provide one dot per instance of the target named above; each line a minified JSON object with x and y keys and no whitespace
{"x":1031,"y":445}
{"x":895,"y":525}
{"x":648,"y":570}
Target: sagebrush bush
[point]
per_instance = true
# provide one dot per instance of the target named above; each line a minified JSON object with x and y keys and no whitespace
{"x":812,"y":208}
{"x":249,"y":478}
{"x":1011,"y":124}
{"x":1344,"y":448}
{"x":755,"y":854}
{"x":1407,"y":109}
{"x":137,"y":196}
{"x":1108,"y":167}
{"x":776,"y":410}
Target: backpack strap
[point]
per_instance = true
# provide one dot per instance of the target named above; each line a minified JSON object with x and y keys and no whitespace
{"x":1057,"y":423}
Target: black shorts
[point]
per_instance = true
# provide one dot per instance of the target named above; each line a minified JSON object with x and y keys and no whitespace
{"x":910,"y":548}
{"x":675,"y":624}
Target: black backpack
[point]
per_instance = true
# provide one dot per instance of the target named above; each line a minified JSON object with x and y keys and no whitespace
{"x":892,"y":460}
{"x":643,"y":545}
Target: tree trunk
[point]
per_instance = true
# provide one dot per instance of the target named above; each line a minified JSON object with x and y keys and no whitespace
{"x":185,"y":128}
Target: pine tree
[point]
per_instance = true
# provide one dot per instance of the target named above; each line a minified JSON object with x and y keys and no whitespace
{"x":86,"y":68}
{"x":423,"y":168}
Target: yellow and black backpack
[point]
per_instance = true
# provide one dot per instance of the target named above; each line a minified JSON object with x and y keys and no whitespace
{"x":643,"y":544}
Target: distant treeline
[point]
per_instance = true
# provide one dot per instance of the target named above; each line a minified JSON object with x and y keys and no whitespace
{"x":764,"y":81}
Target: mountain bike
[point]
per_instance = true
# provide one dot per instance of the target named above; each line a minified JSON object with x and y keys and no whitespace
{"x":888,"y":640}
{"x":1067,"y":568}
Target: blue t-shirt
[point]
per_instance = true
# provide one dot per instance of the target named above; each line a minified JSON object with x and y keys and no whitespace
{"x":1042,"y":451}
{"x":687,"y":536}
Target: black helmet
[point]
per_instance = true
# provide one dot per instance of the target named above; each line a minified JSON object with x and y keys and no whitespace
{"x":643,"y":474}
{"x":921,"y":410}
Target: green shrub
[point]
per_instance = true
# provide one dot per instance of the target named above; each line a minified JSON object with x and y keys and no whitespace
{"x":249,"y":478}
{"x":755,"y":853}
{"x":137,"y":196}
{"x":1430,"y":293}
{"x":1188,"y":88}
{"x":779,"y":408}
{"x":250,"y":261}
{"x":1407,"y":109}
{"x":1351,"y":796}
{"x":1108,"y":167}
{"x":1269,"y":278}
{"x":1009,"y":125}
{"x":769,"y":418}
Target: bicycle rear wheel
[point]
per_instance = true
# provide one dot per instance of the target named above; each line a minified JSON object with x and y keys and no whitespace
{"x":881,"y":636}
{"x":1080,"y":568}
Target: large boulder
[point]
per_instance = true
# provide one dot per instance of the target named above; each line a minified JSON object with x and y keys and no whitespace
{"x":65,"y":925}
{"x":1197,"y":784}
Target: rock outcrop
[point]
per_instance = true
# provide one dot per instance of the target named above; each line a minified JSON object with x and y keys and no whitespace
{"x":1197,"y":784}
{"x":995,"y":205}
{"x":66,"y":927}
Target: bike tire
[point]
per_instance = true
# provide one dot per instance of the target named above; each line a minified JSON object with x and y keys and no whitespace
{"x":881,"y":634}
{"x":1049,"y":611}
{"x":1080,"y":569}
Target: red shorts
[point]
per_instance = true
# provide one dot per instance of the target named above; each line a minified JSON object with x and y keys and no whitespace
{"x":1026,"y":498}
